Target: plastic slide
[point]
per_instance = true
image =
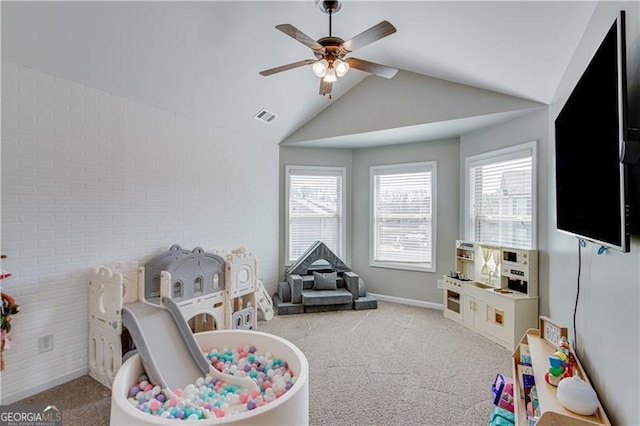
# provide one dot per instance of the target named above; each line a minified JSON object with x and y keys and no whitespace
{"x":167,"y":348}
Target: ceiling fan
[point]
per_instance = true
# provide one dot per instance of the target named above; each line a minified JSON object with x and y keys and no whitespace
{"x":330,"y":51}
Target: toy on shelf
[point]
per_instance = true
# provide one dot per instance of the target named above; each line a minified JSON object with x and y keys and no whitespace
{"x":561,"y":363}
{"x":533,"y":404}
{"x":543,"y":343}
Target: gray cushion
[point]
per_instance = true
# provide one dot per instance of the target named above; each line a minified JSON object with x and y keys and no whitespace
{"x":325,"y":297}
{"x":325,"y":281}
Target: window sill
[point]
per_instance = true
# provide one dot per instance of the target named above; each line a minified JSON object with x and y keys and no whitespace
{"x":402,"y":266}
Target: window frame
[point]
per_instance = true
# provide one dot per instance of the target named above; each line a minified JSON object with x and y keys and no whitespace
{"x":400,"y":169}
{"x":321,"y":170}
{"x":496,"y":156}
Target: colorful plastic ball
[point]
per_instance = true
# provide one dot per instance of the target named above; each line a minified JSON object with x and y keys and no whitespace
{"x":134,"y":391}
{"x":155,"y":405}
{"x":272,"y":377}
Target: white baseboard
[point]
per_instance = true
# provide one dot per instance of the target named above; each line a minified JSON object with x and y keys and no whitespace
{"x":411,"y":302}
{"x":41,"y":387}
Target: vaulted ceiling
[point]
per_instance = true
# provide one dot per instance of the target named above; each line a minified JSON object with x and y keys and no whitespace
{"x":202,"y":59}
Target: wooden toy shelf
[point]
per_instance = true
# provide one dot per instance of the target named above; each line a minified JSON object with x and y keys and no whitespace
{"x":553,"y":413}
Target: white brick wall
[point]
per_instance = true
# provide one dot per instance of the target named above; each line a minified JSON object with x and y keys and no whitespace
{"x":89,"y":178}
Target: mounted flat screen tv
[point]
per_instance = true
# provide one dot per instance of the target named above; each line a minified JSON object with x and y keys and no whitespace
{"x":591,"y":180}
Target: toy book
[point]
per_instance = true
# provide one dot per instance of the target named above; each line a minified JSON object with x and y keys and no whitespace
{"x":523,"y":370}
{"x":525,"y":355}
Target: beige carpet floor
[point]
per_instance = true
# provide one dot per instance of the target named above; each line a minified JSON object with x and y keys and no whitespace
{"x":395,"y":365}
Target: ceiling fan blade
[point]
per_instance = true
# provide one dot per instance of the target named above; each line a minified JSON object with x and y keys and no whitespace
{"x":371,"y":67}
{"x":287,"y":67}
{"x":293,"y":32}
{"x":366,"y":37}
{"x":325,"y":87}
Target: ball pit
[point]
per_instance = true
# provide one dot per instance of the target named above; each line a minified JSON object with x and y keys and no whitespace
{"x":212,"y":396}
{"x":279,"y":369}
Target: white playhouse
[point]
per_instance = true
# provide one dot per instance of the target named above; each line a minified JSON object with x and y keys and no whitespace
{"x":213,"y":290}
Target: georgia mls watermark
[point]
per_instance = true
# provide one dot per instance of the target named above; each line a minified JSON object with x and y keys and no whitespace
{"x":36,"y":415}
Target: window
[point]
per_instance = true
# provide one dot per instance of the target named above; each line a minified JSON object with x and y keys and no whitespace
{"x":500,"y":207}
{"x":403,"y":216}
{"x":315,"y":200}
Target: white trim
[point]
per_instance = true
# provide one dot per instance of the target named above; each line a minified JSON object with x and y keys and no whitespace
{"x":502,"y":154}
{"x":318,"y":171}
{"x":402,"y":266}
{"x":397,"y":169}
{"x":392,"y":169}
{"x":434,"y":214}
{"x":410,"y":302}
{"x":498,"y":155}
{"x":11,"y":398}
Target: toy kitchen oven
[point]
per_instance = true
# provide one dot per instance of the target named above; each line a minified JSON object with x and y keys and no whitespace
{"x":519,"y":271}
{"x":453,"y":298}
{"x":455,"y":280}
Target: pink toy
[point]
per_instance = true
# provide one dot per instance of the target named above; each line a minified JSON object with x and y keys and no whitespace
{"x":502,"y":389}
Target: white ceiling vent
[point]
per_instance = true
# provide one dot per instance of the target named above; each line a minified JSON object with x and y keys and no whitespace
{"x":265,"y":116}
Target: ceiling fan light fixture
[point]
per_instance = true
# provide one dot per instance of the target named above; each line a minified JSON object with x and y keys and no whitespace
{"x":329,"y":51}
{"x":331,"y":76}
{"x":320,"y":68}
{"x":341,"y":67}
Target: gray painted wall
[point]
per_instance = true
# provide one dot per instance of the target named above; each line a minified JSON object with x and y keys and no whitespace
{"x":314,"y":157}
{"x":420,"y":286}
{"x":608,"y":319}
{"x":380,"y":104}
{"x":533,"y":127}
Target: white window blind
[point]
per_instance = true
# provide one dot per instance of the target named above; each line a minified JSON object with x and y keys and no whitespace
{"x":403,"y":220}
{"x":501,"y":199}
{"x":315,"y":209}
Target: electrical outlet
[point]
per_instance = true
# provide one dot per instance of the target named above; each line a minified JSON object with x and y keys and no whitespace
{"x":440,"y":284}
{"x":46,"y":343}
